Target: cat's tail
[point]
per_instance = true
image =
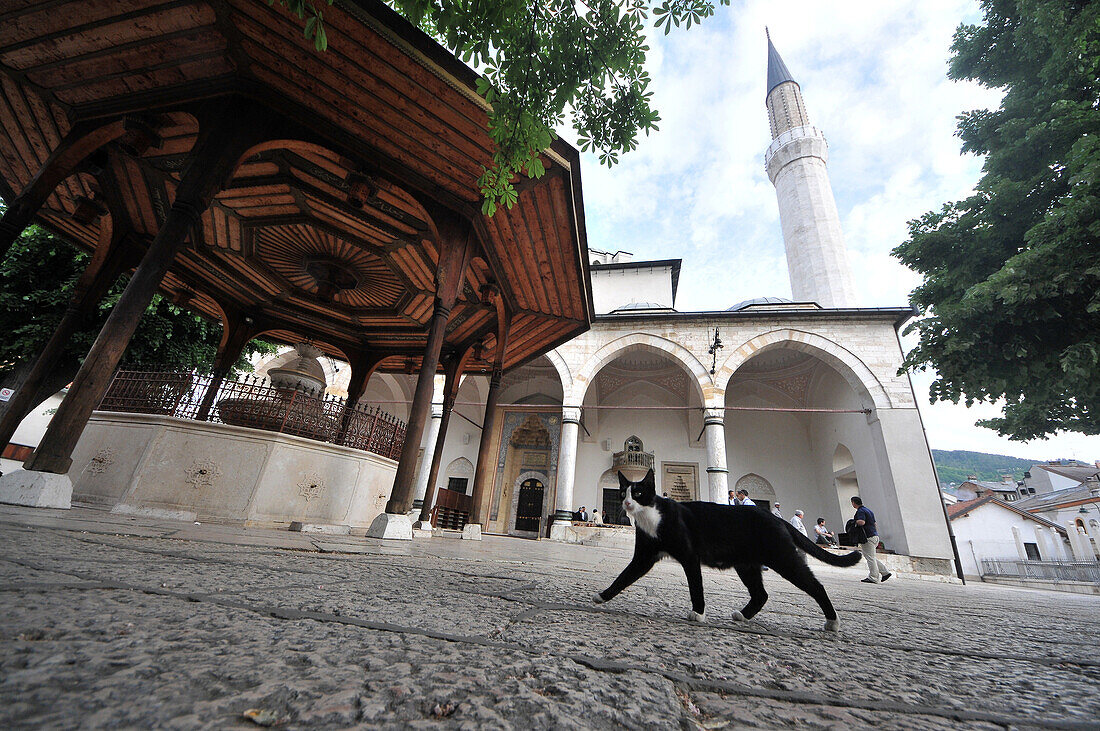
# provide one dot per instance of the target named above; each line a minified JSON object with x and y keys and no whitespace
{"x":848,"y":559}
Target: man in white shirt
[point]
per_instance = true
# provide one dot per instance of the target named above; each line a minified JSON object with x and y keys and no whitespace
{"x":775,"y":511}
{"x":743,"y":498}
{"x":796,"y":521}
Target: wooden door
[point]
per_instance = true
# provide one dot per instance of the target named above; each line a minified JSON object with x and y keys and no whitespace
{"x":529,"y":509}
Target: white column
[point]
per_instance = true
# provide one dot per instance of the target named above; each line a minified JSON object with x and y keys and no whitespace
{"x":1079,"y":553}
{"x":1057,"y":539}
{"x":567,"y":462}
{"x":1019,"y":543}
{"x":1046,"y":551}
{"x":430,"y":436}
{"x":717,"y":474}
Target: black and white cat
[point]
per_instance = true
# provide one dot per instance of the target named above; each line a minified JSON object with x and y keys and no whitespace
{"x":740,"y":537}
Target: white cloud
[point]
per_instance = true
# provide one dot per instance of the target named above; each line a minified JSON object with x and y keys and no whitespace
{"x":874,"y":79}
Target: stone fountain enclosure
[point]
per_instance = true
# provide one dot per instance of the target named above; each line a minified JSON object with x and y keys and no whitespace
{"x":174,"y":468}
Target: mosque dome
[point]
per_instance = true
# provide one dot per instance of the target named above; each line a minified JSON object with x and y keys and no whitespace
{"x":755,"y":301}
{"x":643,"y":306}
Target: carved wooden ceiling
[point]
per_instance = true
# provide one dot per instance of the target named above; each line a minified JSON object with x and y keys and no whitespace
{"x":328,"y":235}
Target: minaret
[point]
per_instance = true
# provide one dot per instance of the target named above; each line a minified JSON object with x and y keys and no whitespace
{"x":816,"y":258}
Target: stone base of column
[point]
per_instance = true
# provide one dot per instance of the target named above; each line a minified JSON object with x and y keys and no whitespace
{"x":394,"y":526}
{"x":562,"y":530}
{"x":417,"y":505}
{"x":471,"y":532}
{"x":422,"y":529}
{"x":562,"y":515}
{"x":36,"y":489}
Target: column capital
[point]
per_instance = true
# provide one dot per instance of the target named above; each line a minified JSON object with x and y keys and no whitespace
{"x":437,"y":411}
{"x":722,"y":470}
{"x":714,"y":416}
{"x":571,"y":414}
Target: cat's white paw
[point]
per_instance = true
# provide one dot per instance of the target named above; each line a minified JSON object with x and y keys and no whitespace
{"x":738,"y":617}
{"x":694,"y":616}
{"x":832,"y":625}
{"x":597,"y":599}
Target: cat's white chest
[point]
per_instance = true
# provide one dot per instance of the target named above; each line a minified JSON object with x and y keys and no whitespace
{"x":646,"y":519}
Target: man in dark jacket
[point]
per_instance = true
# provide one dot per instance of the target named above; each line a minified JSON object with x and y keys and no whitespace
{"x":868,"y":542}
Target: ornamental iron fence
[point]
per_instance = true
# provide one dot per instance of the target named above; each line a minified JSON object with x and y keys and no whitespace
{"x":1055,"y":570}
{"x":252,"y":401}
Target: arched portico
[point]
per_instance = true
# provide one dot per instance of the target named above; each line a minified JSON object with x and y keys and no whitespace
{"x":639,"y":341}
{"x":843,"y":361}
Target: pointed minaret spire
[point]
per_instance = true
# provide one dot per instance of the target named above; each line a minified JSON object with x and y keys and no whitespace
{"x":784,"y":98}
{"x":817,"y":260}
{"x":777,"y":70}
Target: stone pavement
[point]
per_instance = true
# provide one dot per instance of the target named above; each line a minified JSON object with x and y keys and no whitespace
{"x":112,"y":621}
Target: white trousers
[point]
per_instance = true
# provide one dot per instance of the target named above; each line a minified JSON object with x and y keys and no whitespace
{"x":874,"y":566}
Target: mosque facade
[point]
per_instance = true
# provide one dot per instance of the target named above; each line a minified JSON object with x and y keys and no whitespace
{"x":800,"y":402}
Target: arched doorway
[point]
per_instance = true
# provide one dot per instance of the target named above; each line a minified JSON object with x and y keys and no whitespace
{"x":845,"y":479}
{"x":526,"y":445}
{"x":529,"y":505}
{"x":759,"y":489}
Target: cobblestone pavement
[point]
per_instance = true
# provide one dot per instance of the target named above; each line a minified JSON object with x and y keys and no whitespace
{"x":111,"y":621}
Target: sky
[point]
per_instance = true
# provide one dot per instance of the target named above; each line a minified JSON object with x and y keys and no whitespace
{"x":873,"y":77}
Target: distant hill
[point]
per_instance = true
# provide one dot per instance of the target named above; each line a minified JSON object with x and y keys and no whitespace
{"x":956,"y":465}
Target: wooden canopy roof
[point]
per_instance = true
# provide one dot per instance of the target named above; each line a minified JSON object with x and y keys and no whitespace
{"x":330,"y":231}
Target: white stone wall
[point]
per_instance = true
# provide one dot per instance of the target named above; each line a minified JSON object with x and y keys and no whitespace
{"x":794,"y":452}
{"x":613,"y":288}
{"x":157,"y":465}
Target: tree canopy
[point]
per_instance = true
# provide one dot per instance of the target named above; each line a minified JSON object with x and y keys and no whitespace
{"x":1011,"y":288}
{"x":36,"y":282}
{"x":541,"y":60}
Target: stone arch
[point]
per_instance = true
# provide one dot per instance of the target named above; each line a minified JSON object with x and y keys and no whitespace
{"x":842,"y":458}
{"x":460,"y":467}
{"x":641,"y":341}
{"x":843,"y":361}
{"x":754,"y":484}
{"x":563,"y":371}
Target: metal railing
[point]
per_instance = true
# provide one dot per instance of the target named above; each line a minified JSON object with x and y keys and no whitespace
{"x":1055,"y":570}
{"x":253,"y":402}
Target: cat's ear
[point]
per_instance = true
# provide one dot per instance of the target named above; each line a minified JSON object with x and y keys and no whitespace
{"x":649,"y":479}
{"x":623,"y":482}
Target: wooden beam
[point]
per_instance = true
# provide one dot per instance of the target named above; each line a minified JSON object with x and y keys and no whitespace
{"x":82,"y":140}
{"x":230,"y":130}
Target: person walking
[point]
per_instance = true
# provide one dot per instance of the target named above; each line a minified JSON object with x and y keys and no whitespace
{"x":776,"y":512}
{"x":796,"y":521}
{"x":867,"y":539}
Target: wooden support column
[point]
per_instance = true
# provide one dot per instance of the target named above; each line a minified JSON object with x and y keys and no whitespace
{"x":111,"y":257}
{"x":81,"y":141}
{"x":486,"y":461}
{"x":363,"y":367}
{"x":457,"y":245}
{"x":453,"y":370}
{"x":226,"y":136}
{"x":237,"y":330}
